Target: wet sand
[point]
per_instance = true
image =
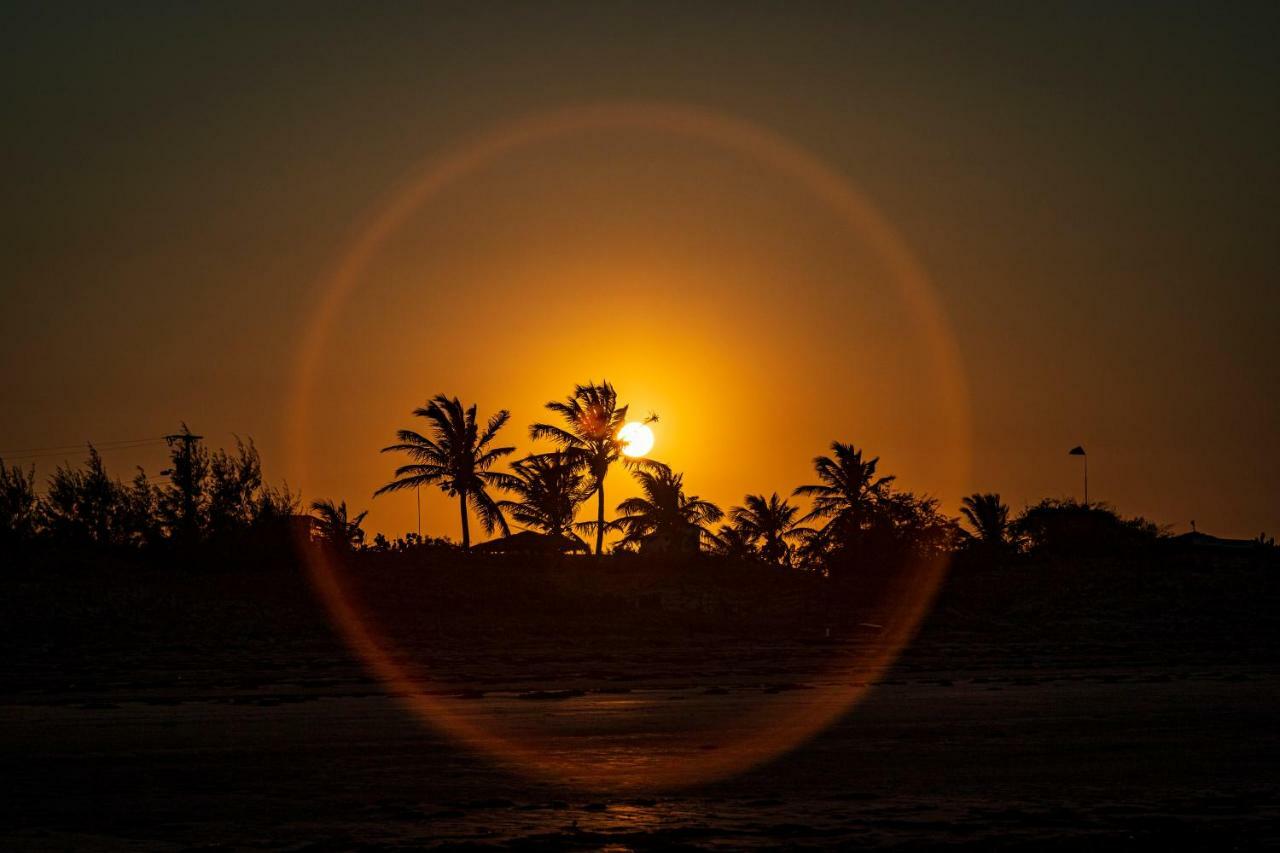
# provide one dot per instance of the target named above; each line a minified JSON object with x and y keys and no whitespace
{"x":182,"y":712}
{"x":1108,"y":757}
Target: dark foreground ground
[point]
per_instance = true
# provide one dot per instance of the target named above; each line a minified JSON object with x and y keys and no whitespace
{"x":170,"y":712}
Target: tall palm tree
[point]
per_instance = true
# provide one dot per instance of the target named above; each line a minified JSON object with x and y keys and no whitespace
{"x":336,"y":527}
{"x":456,"y":459}
{"x":549,"y":488}
{"x":590,"y":438}
{"x":772,"y":522}
{"x":664,"y":508}
{"x":988,"y":519}
{"x":849,"y":492}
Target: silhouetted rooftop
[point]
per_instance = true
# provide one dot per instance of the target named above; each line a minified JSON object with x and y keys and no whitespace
{"x":1203,"y":540}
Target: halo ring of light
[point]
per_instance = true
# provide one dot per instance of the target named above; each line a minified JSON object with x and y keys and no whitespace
{"x":769,"y":733}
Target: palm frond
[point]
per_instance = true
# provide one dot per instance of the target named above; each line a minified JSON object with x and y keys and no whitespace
{"x":594,"y":526}
{"x":491,"y":429}
{"x":550,"y":432}
{"x":487,"y":459}
{"x":488,"y":511}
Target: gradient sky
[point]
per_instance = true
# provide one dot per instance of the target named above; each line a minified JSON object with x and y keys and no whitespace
{"x":1095,"y":194}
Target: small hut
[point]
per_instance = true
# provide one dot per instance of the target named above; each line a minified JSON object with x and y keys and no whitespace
{"x":532,"y":542}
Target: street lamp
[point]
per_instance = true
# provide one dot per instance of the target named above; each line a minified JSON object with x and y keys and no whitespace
{"x":1079,"y":451}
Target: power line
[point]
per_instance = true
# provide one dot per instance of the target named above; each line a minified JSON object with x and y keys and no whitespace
{"x":82,"y":444}
{"x":44,"y":453}
{"x":26,"y":454}
{"x":155,"y":480}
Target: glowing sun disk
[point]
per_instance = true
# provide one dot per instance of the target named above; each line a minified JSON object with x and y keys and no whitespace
{"x":636,"y":438}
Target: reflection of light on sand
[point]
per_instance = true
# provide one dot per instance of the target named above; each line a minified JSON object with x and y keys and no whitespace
{"x":636,"y":735}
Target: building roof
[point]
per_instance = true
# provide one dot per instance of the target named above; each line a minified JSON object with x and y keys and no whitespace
{"x":1203,"y":540}
{"x":530,"y":541}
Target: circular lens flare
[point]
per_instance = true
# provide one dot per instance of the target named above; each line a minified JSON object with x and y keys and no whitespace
{"x":636,"y":438}
{"x":760,"y":731}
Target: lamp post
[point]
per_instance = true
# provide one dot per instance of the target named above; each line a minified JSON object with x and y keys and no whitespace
{"x":1079,"y":451}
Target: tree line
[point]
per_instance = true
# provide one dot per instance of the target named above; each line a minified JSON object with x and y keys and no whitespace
{"x":855,"y":515}
{"x":204,"y":497}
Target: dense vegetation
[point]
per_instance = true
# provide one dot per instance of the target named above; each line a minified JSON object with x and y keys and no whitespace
{"x":210,"y":499}
{"x":211,"y":552}
{"x":857,"y":520}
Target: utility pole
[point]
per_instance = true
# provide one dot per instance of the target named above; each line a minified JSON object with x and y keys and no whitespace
{"x":185,"y":477}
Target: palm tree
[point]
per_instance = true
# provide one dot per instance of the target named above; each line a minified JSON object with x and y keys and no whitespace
{"x":731,"y":541}
{"x":988,"y":519}
{"x":849,"y":491}
{"x":593,"y":418}
{"x":336,"y":527}
{"x":664,"y":508}
{"x":456,"y":459}
{"x":550,"y":489}
{"x":771,"y":521}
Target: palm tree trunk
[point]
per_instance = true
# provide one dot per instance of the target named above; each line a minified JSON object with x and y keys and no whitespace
{"x":466,"y":526}
{"x":600,"y":517}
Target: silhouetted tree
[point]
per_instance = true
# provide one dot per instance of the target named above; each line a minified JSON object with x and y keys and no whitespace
{"x":19,"y":506}
{"x":899,"y":531}
{"x":138,"y":513}
{"x":849,"y":490}
{"x":730,"y":541}
{"x":593,"y":418}
{"x":213,"y":496}
{"x":82,"y":504}
{"x":336,"y":527}
{"x":988,"y":519}
{"x":182,"y":504}
{"x":772,"y":522}
{"x":275,"y":505}
{"x":456,"y":459}
{"x":234,"y":488}
{"x":209,"y":496}
{"x":871,"y":528}
{"x":85,"y":506}
{"x":664,"y":510}
{"x":1068,"y":527}
{"x":916,"y":523}
{"x":550,"y":487}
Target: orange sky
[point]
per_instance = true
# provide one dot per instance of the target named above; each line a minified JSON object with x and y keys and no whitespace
{"x":1100,"y":240}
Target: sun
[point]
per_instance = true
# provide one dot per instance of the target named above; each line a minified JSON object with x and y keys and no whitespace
{"x":636,"y":438}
